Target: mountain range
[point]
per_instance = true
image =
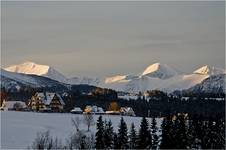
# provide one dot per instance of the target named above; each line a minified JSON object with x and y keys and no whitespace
{"x":156,"y":76}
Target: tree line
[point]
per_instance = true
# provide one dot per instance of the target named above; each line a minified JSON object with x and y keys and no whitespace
{"x":175,"y":132}
{"x":157,"y":104}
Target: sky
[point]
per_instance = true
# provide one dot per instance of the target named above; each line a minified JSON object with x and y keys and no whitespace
{"x":98,"y":39}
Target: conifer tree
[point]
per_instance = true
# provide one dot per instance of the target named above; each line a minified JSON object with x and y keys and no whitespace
{"x":115,"y":141}
{"x":180,"y":138}
{"x":144,"y":137}
{"x":195,"y":133}
{"x":154,"y":130}
{"x":132,"y":137}
{"x":100,"y":134}
{"x":220,"y":131}
{"x":108,"y":135}
{"x":122,"y":135}
{"x":167,"y":134}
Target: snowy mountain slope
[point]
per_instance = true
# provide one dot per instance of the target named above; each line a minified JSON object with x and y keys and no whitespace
{"x":37,"y":69}
{"x":212,"y":84}
{"x":160,"y":77}
{"x":207,"y":70}
{"x":84,"y":80}
{"x":156,"y":76}
{"x":120,"y":78}
{"x":13,"y":81}
{"x":47,"y":71}
{"x":182,"y":82}
{"x":144,"y":83}
{"x":161,"y":71}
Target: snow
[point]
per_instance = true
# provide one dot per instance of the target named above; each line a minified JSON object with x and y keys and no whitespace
{"x":119,"y":78}
{"x":47,"y":97}
{"x":47,"y":71}
{"x":18,"y":77}
{"x":156,"y":76}
{"x":18,"y":129}
{"x":213,"y":84}
{"x":29,"y":68}
{"x":207,"y":70}
{"x":10,"y":104}
{"x":160,"y":77}
{"x":161,"y":71}
{"x":37,"y":69}
{"x":84,"y":80}
{"x":76,"y":109}
{"x":128,"y":97}
{"x":115,"y":78}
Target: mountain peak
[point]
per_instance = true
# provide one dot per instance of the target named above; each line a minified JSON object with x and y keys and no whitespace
{"x":29,"y":67}
{"x":151,"y":68}
{"x":161,"y":71}
{"x":207,"y":70}
{"x":32,"y":68}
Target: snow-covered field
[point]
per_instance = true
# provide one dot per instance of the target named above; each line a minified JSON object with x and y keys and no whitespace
{"x":18,"y":129}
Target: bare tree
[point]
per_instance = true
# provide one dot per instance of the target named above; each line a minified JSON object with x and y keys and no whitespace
{"x":88,"y":120}
{"x":43,"y":140}
{"x":76,"y":122}
{"x":75,"y":141}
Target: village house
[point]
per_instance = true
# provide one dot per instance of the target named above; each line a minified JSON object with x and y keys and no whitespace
{"x":94,"y":109}
{"x":13,"y":105}
{"x":127,"y":111}
{"x":76,"y":110}
{"x":46,"y":102}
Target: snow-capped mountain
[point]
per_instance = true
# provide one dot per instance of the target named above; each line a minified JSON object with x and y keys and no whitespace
{"x":84,"y":80}
{"x":161,"y":71}
{"x":32,"y":68}
{"x":161,"y":77}
{"x":120,"y":78}
{"x":156,"y":76}
{"x":213,"y":84}
{"x":16,"y":81}
{"x":37,"y":69}
{"x":207,"y":70}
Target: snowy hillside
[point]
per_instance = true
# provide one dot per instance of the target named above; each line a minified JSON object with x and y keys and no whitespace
{"x":161,"y":71}
{"x":213,"y":84}
{"x":47,"y":71}
{"x":37,"y":69}
{"x":155,"y":76}
{"x":83,"y":80}
{"x":15,"y":81}
{"x":19,"y":129}
{"x":207,"y":70}
{"x":161,"y":77}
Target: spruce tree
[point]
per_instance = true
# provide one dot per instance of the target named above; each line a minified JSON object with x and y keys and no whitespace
{"x":132,"y":137}
{"x":180,"y":138}
{"x":195,"y":133}
{"x":100,"y":134}
{"x":144,"y":137}
{"x":154,"y":130}
{"x":115,"y":141}
{"x":122,"y":135}
{"x":108,"y":135}
{"x":220,"y":131}
{"x":167,"y":141}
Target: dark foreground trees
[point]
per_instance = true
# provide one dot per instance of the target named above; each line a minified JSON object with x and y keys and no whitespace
{"x":192,"y":134}
{"x":177,"y":132}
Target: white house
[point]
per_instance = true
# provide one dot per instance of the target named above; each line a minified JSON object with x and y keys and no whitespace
{"x":127,"y":111}
{"x":76,"y":110}
{"x":94,"y":109}
{"x":13,"y":105}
